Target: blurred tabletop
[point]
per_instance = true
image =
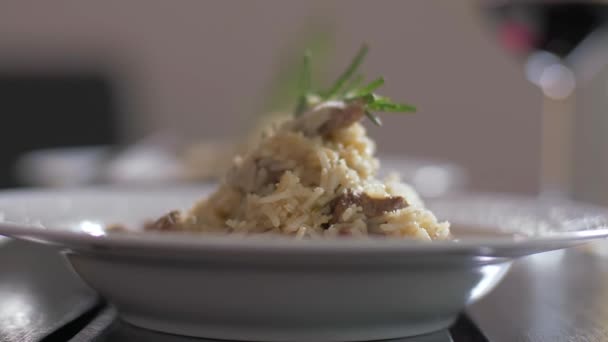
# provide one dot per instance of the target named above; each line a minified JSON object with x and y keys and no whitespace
{"x":555,"y":296}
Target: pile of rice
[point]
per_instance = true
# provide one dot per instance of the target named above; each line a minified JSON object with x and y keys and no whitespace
{"x":293,"y":181}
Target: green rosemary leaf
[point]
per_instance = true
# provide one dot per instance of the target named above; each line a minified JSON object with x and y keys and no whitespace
{"x":373,"y":118}
{"x":370,"y":87}
{"x":348,"y":88}
{"x":354,"y":83}
{"x":390,"y":107}
{"x":305,"y":84}
{"x":347,"y":74}
{"x":283,"y":90}
{"x":366,"y":98}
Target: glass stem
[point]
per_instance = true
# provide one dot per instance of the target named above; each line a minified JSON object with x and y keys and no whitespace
{"x":557,"y":127}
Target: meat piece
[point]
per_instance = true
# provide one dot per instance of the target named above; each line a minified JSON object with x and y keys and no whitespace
{"x":339,"y":205}
{"x":328,"y":118}
{"x":371,"y":206}
{"x":341,"y":118}
{"x":377,"y":206}
{"x":167,"y":222}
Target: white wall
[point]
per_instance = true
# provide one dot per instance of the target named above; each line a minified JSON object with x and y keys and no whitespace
{"x":195,"y":66}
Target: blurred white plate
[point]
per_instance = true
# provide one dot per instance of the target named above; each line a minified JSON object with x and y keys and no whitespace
{"x":275,"y":289}
{"x":153,"y":162}
{"x":66,"y":166}
{"x":431,"y":178}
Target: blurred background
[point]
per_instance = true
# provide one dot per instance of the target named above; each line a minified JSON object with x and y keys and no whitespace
{"x":111,"y":75}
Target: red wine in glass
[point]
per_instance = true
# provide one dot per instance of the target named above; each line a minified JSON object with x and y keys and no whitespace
{"x":558,"y":27}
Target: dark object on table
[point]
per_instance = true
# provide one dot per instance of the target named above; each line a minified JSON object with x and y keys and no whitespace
{"x":106,"y":328}
{"x":43,"y":110}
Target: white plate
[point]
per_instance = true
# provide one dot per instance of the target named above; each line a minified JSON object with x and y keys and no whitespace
{"x":153,"y":161}
{"x":284,"y":290}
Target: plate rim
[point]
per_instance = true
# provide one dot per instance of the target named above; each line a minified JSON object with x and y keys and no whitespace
{"x":80,"y":241}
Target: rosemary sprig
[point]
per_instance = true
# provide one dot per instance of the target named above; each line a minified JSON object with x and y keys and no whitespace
{"x":373,"y":118}
{"x":367,"y":89}
{"x":305,"y":84}
{"x":348,"y":73}
{"x":283,"y":90}
{"x":347,"y":87}
{"x":354,"y":83}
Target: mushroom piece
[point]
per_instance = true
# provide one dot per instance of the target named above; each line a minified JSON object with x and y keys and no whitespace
{"x":372,"y":206}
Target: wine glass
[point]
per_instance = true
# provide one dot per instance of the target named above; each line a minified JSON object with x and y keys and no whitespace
{"x":561,"y":47}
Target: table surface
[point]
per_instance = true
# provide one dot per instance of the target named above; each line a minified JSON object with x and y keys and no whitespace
{"x":549,"y":297}
{"x":555,"y":296}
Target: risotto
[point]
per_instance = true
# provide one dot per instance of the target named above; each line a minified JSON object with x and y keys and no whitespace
{"x":311,"y":176}
{"x":314,"y":175}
